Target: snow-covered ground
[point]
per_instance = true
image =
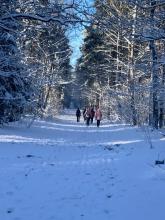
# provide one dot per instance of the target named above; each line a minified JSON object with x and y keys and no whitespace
{"x":64,"y":170}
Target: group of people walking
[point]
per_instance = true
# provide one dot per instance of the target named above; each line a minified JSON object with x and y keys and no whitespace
{"x":89,"y":113}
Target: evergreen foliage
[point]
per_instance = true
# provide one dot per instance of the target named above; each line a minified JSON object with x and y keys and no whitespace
{"x":14,"y":85}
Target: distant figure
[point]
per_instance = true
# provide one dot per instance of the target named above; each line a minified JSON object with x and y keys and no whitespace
{"x":84,"y":113}
{"x":92,"y":115}
{"x":88,"y":116}
{"x":98,"y":116}
{"x":78,"y":115}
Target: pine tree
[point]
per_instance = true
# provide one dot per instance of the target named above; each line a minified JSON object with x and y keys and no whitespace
{"x":14,"y":85}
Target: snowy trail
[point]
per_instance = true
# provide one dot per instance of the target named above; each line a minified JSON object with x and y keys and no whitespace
{"x":65,"y":171}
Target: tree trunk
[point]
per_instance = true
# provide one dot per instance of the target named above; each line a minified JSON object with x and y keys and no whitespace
{"x":162,"y":99}
{"x":154,"y":74}
{"x":132,"y":70}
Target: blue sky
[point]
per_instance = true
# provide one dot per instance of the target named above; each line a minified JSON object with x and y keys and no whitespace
{"x":76,"y":39}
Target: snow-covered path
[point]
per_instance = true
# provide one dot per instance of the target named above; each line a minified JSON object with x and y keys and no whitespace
{"x":66,"y":171}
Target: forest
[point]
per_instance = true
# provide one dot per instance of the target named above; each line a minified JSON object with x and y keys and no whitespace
{"x":121,"y":67}
{"x":82,"y":109}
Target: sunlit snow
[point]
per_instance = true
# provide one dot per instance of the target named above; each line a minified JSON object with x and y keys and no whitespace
{"x":63,"y":170}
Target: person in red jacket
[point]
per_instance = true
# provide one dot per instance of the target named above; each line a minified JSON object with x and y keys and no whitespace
{"x":98,"y":116}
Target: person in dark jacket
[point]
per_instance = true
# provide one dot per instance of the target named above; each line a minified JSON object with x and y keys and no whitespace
{"x":84,"y":113}
{"x":88,"y":116}
{"x":92,"y":115}
{"x":78,"y":115}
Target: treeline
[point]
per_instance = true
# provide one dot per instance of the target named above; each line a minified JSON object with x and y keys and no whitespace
{"x":35,"y":54}
{"x":122,"y":67}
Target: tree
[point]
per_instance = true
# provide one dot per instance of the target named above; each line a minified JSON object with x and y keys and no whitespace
{"x":14,"y":85}
{"x":131,"y":41}
{"x":38,"y":43}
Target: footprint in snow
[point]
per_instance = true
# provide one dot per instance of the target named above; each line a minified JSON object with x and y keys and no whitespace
{"x":52,"y":164}
{"x":10,"y":193}
{"x":117,"y":145}
{"x":108,"y":148}
{"x":106,"y":211}
{"x":10,"y":210}
{"x":109,"y":196}
{"x":112,"y":177}
{"x":129,"y":154}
